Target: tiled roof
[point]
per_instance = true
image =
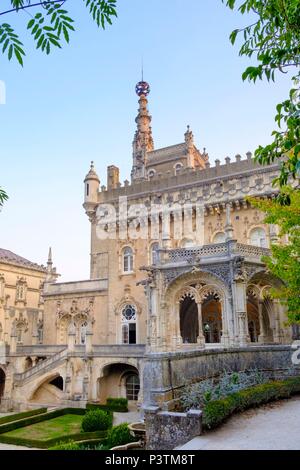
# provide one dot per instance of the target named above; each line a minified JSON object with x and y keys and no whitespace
{"x":7,"y":256}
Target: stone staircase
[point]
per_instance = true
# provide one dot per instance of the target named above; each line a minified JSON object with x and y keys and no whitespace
{"x":41,"y":368}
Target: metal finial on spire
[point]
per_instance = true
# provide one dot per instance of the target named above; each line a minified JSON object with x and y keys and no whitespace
{"x":142,"y":69}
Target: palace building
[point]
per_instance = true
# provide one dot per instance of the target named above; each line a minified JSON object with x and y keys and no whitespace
{"x":177,"y":288}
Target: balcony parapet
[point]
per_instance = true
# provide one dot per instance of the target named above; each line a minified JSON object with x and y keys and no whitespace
{"x":206,"y":253}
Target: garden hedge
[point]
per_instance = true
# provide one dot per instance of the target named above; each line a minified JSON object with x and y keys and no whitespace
{"x":86,"y":438}
{"x":38,"y":419}
{"x":119,"y":405}
{"x":217,"y":411}
{"x":23,"y":415}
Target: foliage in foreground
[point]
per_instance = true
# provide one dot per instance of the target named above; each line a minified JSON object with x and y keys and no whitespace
{"x":3,"y":197}
{"x":119,"y":436}
{"x":197,"y":395}
{"x":284,"y":262}
{"x":274,"y":40}
{"x":217,"y":411}
{"x":51,"y":25}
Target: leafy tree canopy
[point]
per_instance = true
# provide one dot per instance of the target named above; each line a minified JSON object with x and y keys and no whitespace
{"x":285,"y":255}
{"x":3,"y":197}
{"x":274,"y":40}
{"x":50,"y":24}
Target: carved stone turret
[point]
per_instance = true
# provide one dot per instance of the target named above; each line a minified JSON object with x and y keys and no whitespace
{"x":143,"y":140}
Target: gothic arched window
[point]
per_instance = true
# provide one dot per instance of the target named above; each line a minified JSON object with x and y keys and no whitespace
{"x":82,"y":332}
{"x":128,"y":260}
{"x":258,"y":237}
{"x":129,"y":325}
{"x":178,"y":167}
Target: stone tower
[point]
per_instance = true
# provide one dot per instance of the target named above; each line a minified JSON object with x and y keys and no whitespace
{"x":143,"y":140}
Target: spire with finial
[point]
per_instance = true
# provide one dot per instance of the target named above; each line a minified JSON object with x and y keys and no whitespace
{"x":49,"y":262}
{"x":143,"y":140}
{"x":51,"y":271}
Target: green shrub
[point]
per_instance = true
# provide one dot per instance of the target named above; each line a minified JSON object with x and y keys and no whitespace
{"x":119,"y":436}
{"x":117,"y":402}
{"x":217,"y":411}
{"x":96,"y":420}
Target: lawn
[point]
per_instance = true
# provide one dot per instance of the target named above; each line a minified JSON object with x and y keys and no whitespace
{"x":56,"y":427}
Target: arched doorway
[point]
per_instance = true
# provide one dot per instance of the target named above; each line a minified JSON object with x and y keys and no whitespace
{"x":212,"y":319}
{"x":261,"y":316}
{"x":253,"y":320}
{"x":2,"y":383}
{"x":189,"y":325}
{"x":118,"y":380}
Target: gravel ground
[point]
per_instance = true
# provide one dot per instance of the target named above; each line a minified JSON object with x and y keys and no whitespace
{"x":275,"y":426}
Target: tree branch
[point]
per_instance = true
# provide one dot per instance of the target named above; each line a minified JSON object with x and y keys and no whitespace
{"x":25,"y":7}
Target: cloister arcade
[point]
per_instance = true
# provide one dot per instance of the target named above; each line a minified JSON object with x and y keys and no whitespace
{"x":201,"y":311}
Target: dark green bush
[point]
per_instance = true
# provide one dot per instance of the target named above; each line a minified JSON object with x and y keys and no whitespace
{"x":117,"y":402}
{"x":96,"y":420}
{"x":217,"y":411}
{"x":119,"y":436}
{"x":25,"y":414}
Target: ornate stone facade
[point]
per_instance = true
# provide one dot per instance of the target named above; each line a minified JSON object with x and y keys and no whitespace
{"x":176,"y":272}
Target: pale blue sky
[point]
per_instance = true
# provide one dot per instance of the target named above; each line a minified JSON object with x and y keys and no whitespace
{"x":79,"y":105}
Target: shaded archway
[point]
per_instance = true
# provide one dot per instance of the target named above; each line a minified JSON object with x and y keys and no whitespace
{"x":253,"y":319}
{"x":2,"y":383}
{"x":189,"y":325}
{"x":212,"y":319}
{"x":113,"y":382}
{"x":261,"y":316}
{"x":50,"y":391}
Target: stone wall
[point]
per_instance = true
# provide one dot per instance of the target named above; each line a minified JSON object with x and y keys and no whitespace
{"x":166,"y":375}
{"x":165,"y":430}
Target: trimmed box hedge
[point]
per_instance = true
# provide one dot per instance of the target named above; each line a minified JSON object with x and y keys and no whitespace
{"x":119,"y":405}
{"x":217,"y":411}
{"x":38,"y":419}
{"x":88,"y":437}
{"x":98,"y":436}
{"x":23,"y":415}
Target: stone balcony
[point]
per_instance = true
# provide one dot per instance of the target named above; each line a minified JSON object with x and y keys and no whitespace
{"x":211,"y":253}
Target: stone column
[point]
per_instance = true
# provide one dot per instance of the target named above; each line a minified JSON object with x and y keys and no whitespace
{"x":177,"y":339}
{"x":201,"y":337}
{"x":262,"y":335}
{"x":228,"y":226}
{"x":71,"y":338}
{"x":278,"y":335}
{"x":13,"y":341}
{"x":89,"y":340}
{"x":166,"y":231}
{"x":240,"y":307}
{"x":225,"y":330}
